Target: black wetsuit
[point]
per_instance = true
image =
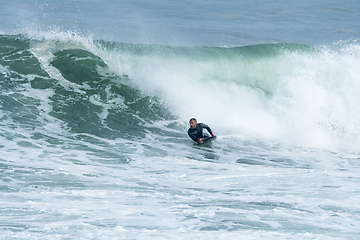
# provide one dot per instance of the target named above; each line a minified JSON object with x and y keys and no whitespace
{"x":196,"y":133}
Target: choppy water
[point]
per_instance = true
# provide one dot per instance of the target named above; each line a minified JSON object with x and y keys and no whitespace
{"x":94,"y":108}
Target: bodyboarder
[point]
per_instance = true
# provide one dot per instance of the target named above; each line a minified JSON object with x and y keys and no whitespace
{"x":197,"y":131}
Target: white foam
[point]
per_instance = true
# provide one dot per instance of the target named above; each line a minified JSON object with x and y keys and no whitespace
{"x":313,"y":103}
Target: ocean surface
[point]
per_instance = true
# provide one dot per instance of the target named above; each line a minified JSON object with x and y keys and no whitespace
{"x":95,"y":99}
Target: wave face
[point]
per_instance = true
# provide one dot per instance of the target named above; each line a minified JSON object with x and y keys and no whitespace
{"x":64,"y":82}
{"x":282,"y":93}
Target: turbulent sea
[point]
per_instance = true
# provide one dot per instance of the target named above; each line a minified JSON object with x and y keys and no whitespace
{"x":95,"y":99}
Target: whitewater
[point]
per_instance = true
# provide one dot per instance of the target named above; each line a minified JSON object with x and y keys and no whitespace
{"x":94,"y":112}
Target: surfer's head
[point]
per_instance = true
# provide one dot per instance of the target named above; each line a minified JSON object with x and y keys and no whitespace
{"x":193,"y":122}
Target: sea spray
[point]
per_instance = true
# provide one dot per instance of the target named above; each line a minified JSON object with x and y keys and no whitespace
{"x":284,"y":93}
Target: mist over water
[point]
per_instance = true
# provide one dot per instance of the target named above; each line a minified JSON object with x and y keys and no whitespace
{"x":229,"y":23}
{"x":94,"y":112}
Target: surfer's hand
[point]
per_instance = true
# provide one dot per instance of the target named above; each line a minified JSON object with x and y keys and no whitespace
{"x":212,"y":134}
{"x":200,"y":140}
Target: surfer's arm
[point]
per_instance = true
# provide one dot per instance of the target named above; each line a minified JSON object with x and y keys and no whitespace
{"x":208,"y":128}
{"x":192,"y":136}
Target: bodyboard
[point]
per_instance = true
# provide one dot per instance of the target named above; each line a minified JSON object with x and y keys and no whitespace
{"x":209,"y":139}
